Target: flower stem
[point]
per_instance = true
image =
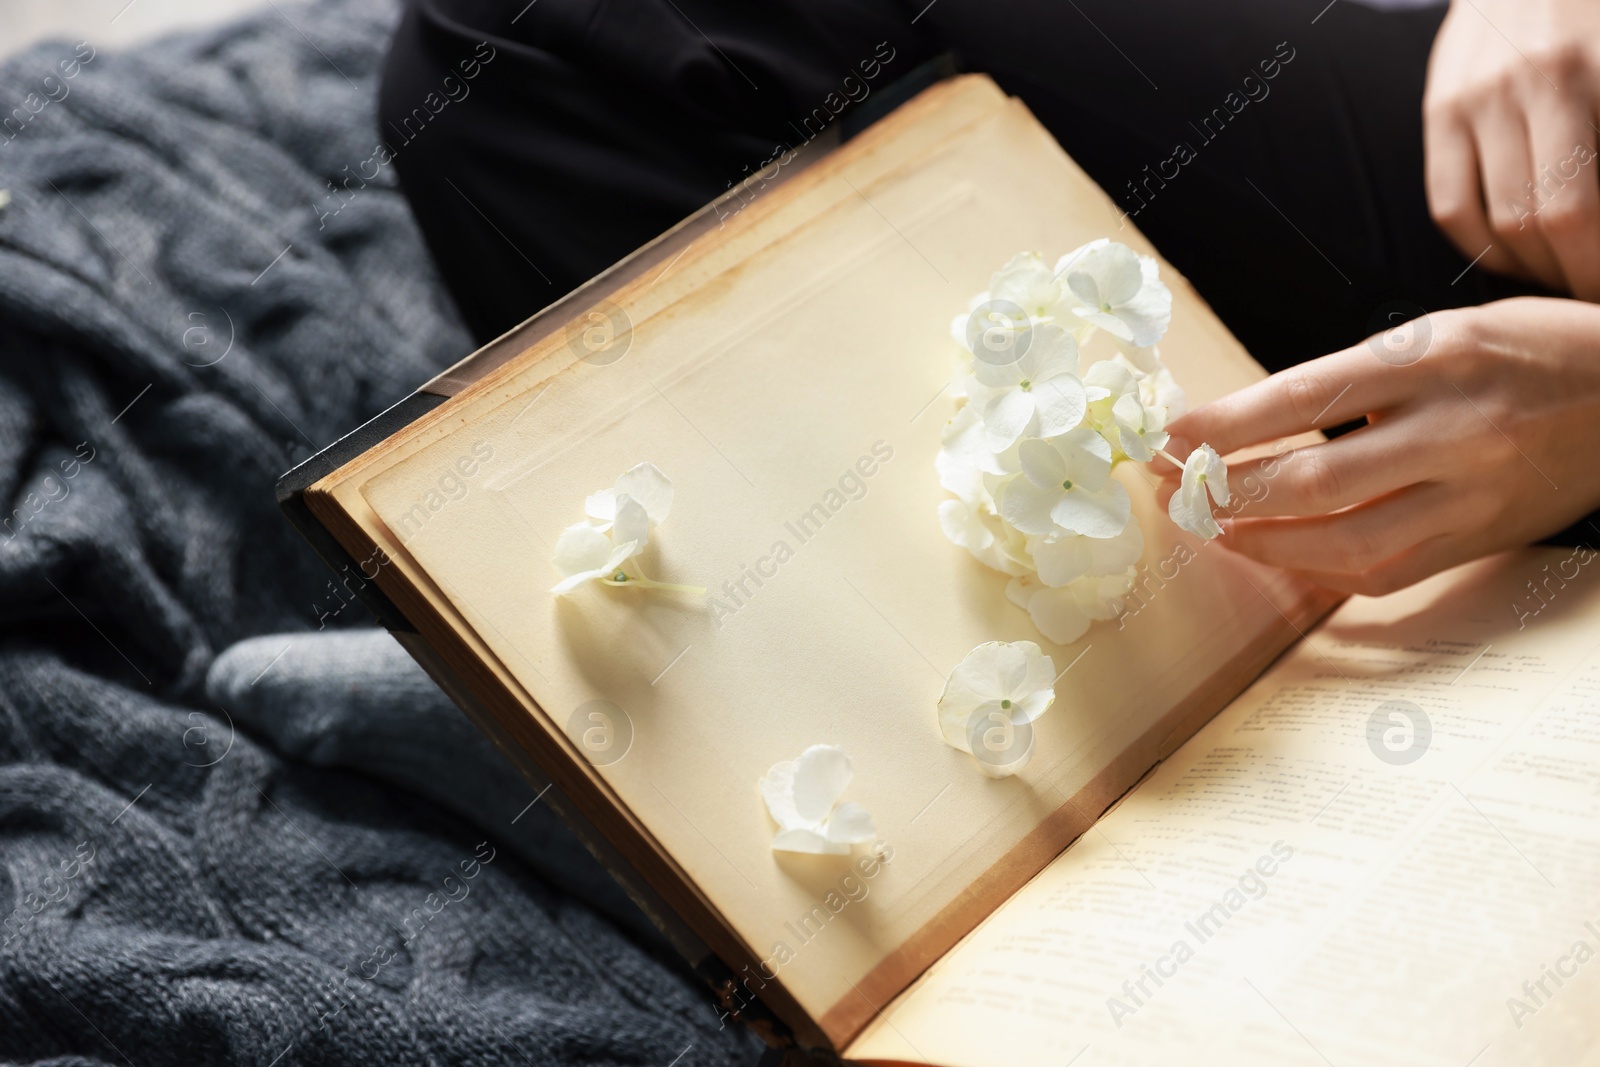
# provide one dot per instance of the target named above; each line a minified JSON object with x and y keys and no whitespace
{"x":1169,"y":457}
{"x":623,"y":578}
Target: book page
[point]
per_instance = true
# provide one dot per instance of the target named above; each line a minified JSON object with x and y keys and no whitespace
{"x":1387,"y":851}
{"x":796,"y":402}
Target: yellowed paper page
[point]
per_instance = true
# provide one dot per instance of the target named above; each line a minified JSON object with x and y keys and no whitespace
{"x":796,"y":403}
{"x":1387,"y":852}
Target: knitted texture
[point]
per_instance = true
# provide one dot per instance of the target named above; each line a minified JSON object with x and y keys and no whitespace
{"x":181,"y":319}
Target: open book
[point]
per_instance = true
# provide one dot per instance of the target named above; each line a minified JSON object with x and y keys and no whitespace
{"x":1246,"y":835}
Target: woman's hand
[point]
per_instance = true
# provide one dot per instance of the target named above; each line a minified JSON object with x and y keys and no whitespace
{"x":1484,"y":434}
{"x":1512,"y":95}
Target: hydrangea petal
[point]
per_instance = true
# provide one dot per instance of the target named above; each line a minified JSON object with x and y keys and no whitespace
{"x":1042,"y":463}
{"x":1027,"y":506}
{"x":645,"y":483}
{"x":811,"y":842}
{"x":821,"y":774}
{"x":1058,"y":615}
{"x":850,"y":824}
{"x":777,"y":789}
{"x":632,"y":522}
{"x":964,"y":526}
{"x":601,"y":505}
{"x":582,"y":548}
{"x":1061,"y":404}
{"x":1093,"y":514}
{"x":1062,"y":561}
{"x":1006,"y":414}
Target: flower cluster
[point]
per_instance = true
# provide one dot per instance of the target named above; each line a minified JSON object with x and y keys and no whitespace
{"x":1029,"y":454}
{"x":618,"y":529}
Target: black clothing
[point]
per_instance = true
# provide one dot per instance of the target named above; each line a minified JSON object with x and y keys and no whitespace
{"x":1272,"y":149}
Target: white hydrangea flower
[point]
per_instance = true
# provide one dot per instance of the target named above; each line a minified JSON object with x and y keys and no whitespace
{"x":586,"y":552}
{"x":1140,"y":430}
{"x":620,"y":519}
{"x":1064,"y":614}
{"x":1028,"y":282}
{"x":802,"y":797}
{"x":1066,"y":487}
{"x":1118,"y":408}
{"x":1120,"y":290}
{"x":1038,"y":395}
{"x":1160,"y":391}
{"x":1204,"y":474}
{"x":1013,"y":681}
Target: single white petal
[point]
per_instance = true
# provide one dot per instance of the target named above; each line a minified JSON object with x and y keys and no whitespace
{"x":1061,"y":403}
{"x":608,"y":567}
{"x":1034,"y":704}
{"x":1104,"y":598}
{"x":1108,"y":322}
{"x":1008,"y":553}
{"x":1086,"y":456}
{"x":1113,"y":555}
{"x":964,"y":526}
{"x":1093,"y":514}
{"x":1063,"y":560}
{"x":1039,"y":671}
{"x":632,"y":523}
{"x":582,"y":548}
{"x":1009,"y":663}
{"x":1058,"y":615}
{"x":808,"y":841}
{"x":573,"y":581}
{"x":1006,"y":416}
{"x":995,"y":375}
{"x":1112,"y":376}
{"x":1042,"y":463}
{"x":645,"y":483}
{"x":975,"y":680}
{"x":601,"y":505}
{"x":960,"y":475}
{"x":1026,"y":281}
{"x":850,"y":824}
{"x":1086,"y":287}
{"x":1216,"y":472}
{"x":821,"y":774}
{"x":777,"y":789}
{"x":1028,"y":507}
{"x":1052,"y":352}
{"x":1067,"y":263}
{"x":1119,"y":271}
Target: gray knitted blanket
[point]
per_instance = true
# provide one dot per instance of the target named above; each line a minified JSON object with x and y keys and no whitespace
{"x":220,"y":846}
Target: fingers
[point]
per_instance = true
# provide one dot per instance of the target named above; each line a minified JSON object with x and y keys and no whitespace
{"x":1420,"y":561}
{"x":1313,"y":396}
{"x":1455,"y":197}
{"x":1565,"y":203}
{"x":1356,"y":540}
{"x":1502,"y":136}
{"x":1324,"y":478}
